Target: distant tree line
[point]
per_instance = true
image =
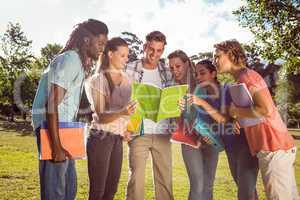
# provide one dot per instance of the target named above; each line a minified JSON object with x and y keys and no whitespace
{"x":275,"y":25}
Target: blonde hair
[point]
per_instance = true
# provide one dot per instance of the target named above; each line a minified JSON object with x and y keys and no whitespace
{"x":191,"y":67}
{"x":234,"y":50}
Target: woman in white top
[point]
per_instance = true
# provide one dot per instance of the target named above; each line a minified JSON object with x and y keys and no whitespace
{"x":109,"y":94}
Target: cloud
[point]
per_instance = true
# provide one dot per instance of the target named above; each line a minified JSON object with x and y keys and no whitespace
{"x":191,"y":25}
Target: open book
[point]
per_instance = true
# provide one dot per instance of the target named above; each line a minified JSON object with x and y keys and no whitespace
{"x":72,"y":137}
{"x":194,"y":123}
{"x":155,"y":103}
{"x":241,"y":97}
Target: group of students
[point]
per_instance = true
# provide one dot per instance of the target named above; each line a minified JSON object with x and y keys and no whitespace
{"x":267,"y":146}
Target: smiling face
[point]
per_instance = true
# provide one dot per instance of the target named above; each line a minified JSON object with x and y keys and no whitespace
{"x":119,"y":58}
{"x":203,"y":74}
{"x":153,"y":51}
{"x":178,"y":69}
{"x":222,"y":61}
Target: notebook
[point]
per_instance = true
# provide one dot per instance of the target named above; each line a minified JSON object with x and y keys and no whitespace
{"x":241,"y":97}
{"x":182,"y":135}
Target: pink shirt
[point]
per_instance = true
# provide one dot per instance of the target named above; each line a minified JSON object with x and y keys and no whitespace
{"x":272,"y":134}
{"x":119,"y":98}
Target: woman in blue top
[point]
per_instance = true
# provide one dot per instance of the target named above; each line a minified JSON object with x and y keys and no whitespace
{"x":201,"y":163}
{"x":243,"y":166}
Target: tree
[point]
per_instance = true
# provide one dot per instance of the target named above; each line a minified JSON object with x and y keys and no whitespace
{"x":49,"y":52}
{"x":135,"y":46}
{"x":16,"y":58}
{"x":201,"y":56}
{"x":276,"y":27}
{"x":268,"y":71}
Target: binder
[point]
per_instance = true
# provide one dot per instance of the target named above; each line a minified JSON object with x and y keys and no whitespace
{"x":72,"y":137}
{"x":184,"y":136}
{"x":241,"y":97}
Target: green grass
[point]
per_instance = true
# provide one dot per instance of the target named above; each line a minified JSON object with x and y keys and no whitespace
{"x":19,"y":172}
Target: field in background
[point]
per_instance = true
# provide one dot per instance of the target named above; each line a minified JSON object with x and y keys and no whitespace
{"x":19,"y":175}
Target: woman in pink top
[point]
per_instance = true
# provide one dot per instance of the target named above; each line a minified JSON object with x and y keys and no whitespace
{"x":108,"y":91}
{"x":268,"y":140}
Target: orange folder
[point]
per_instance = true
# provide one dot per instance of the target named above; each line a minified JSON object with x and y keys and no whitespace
{"x":71,"y":136}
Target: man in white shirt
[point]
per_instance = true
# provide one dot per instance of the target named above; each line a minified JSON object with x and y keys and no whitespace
{"x":156,"y":139}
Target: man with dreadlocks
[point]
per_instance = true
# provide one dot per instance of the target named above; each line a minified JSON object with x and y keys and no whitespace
{"x":57,"y":100}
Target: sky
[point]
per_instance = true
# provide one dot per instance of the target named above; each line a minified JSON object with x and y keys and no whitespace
{"x":190,"y":25}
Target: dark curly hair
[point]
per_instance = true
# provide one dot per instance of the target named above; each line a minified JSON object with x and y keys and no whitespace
{"x":209,"y":66}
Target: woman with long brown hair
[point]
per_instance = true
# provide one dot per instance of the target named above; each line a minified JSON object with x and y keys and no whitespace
{"x":200,"y":162}
{"x":109,"y":94}
{"x":243,"y":166}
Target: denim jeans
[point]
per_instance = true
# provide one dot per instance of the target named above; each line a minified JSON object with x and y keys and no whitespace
{"x":58,"y":181}
{"x":201,"y":165}
{"x":243,"y":167}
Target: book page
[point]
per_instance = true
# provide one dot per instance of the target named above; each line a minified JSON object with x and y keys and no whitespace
{"x":148,"y":97}
{"x":169,"y":99}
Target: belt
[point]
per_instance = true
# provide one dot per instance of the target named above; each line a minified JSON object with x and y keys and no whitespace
{"x":99,"y":132}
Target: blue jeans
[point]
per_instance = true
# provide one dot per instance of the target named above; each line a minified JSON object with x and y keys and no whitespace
{"x":243,"y":167}
{"x":58,"y":181}
{"x":201,"y":165}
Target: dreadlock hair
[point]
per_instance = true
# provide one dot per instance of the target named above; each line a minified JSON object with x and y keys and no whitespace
{"x":209,"y":66}
{"x":87,"y":29}
{"x":111,"y":45}
{"x":191,"y":67}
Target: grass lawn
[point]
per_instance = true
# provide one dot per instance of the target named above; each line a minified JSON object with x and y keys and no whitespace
{"x":19,"y":176}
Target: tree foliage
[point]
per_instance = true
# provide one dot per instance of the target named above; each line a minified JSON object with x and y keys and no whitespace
{"x":135,"y":45}
{"x":276,"y":27}
{"x":49,"y":52}
{"x":201,"y":56}
{"x":15,"y":58}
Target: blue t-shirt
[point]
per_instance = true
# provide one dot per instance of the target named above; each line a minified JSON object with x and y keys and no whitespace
{"x":230,"y":139}
{"x":66,"y":71}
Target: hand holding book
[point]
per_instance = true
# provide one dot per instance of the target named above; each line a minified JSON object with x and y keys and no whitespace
{"x":155,"y":103}
{"x":60,"y":155}
{"x":130,"y":108}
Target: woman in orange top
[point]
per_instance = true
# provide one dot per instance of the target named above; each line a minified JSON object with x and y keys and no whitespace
{"x":268,"y":140}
